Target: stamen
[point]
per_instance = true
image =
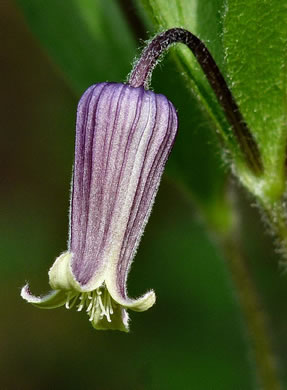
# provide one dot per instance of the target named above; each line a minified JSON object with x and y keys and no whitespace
{"x":108,"y":316}
{"x":101,"y":304}
{"x":98,"y":300}
{"x":94,"y":307}
{"x":71,"y":297}
{"x":83,"y":298}
{"x":74,"y":301}
{"x":110,"y":305}
{"x":90,"y":305}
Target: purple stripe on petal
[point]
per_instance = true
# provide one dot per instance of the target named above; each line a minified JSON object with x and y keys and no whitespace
{"x":83,"y":169}
{"x":123,"y":138}
{"x":103,"y":130}
{"x":150,"y":176}
{"x":111,"y":172}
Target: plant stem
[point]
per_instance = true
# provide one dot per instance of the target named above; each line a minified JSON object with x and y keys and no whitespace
{"x":277,"y":221}
{"x":254,"y":316}
{"x":142,"y":71}
{"x":228,"y":240}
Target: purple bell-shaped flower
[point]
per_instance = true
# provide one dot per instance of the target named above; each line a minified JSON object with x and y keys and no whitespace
{"x":123,"y":138}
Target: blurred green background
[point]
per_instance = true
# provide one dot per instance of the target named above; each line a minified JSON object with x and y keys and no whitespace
{"x":194,"y":337}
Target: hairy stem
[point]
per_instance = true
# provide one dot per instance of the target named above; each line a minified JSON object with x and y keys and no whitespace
{"x":277,"y":221}
{"x":141,"y":74}
{"x":254,"y":317}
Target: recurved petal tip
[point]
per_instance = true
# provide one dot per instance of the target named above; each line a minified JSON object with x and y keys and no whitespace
{"x":53,"y":299}
{"x":143,"y":303}
{"x":140,"y":304}
{"x":61,"y":276}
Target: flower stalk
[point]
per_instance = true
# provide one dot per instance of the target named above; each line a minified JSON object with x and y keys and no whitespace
{"x":141,"y":75}
{"x":258,"y":337}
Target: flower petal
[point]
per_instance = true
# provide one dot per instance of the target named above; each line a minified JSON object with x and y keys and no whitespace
{"x":119,"y":320}
{"x":53,"y":299}
{"x":107,"y":114}
{"x":142,"y":303}
{"x":61,"y":276}
{"x":138,"y":187}
{"x":123,"y":138}
{"x":85,"y":230}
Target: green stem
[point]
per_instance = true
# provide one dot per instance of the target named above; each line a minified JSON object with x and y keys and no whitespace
{"x":277,"y":220}
{"x":254,"y":317}
{"x":227,"y":236}
{"x":142,"y":71}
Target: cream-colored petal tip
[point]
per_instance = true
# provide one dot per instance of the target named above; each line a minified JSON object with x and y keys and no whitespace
{"x":60,"y":275}
{"x":49,"y":301}
{"x":143,"y":303}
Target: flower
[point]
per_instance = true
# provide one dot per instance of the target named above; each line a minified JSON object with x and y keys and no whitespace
{"x":123,"y":138}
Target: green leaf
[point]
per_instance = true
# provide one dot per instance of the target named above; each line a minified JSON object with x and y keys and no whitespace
{"x":255,"y":36}
{"x":83,"y":37}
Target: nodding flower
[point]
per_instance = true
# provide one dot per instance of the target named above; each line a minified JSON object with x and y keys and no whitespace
{"x":124,"y":134}
{"x":123,"y":138}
